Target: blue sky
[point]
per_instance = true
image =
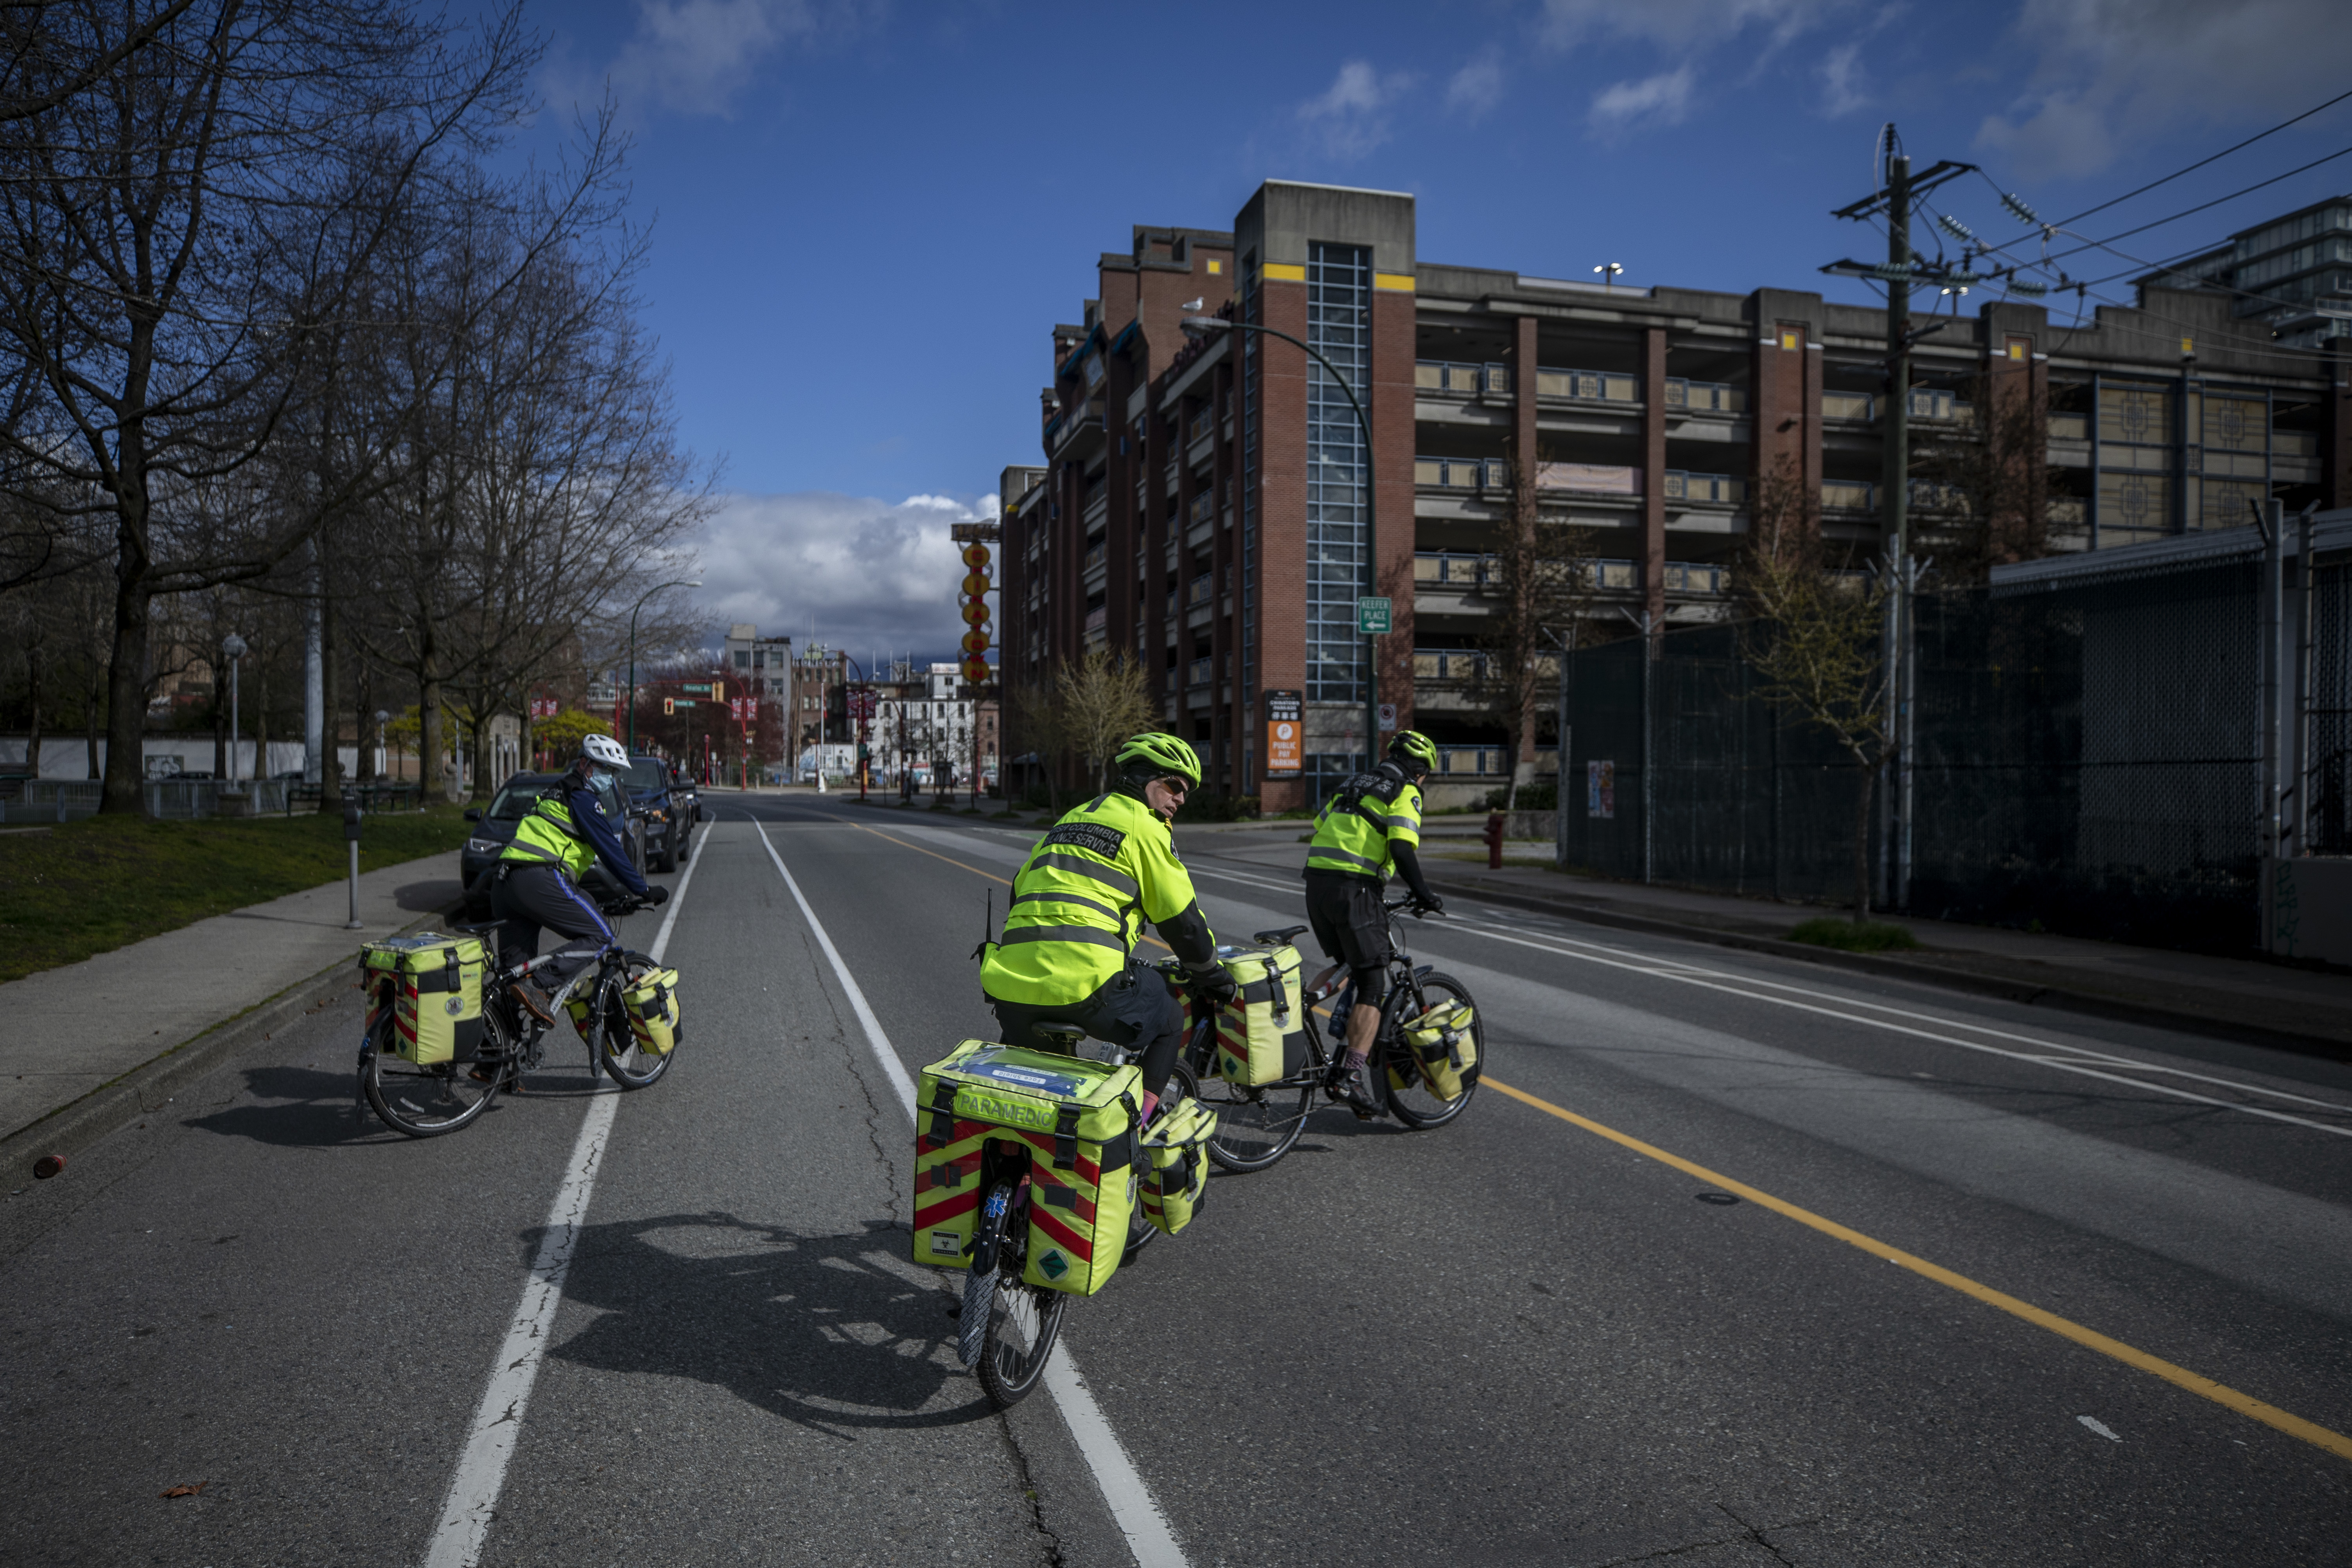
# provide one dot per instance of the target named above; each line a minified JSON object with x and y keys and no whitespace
{"x":867,"y":217}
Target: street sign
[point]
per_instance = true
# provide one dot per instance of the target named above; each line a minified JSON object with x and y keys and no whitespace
{"x":1388,"y":716}
{"x":699,"y":690}
{"x":1286,"y":734}
{"x":1372,"y":618}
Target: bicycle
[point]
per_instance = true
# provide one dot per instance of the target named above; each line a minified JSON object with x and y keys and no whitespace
{"x":429,"y":1100}
{"x":1006,"y":1328}
{"x":1257,"y":1125}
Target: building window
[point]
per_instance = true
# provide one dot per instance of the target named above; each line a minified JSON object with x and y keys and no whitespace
{"x":1792,"y":338}
{"x":742,"y":659}
{"x":2021,"y":350}
{"x":1338,"y":324}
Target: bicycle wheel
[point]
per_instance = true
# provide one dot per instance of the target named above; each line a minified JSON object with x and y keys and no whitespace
{"x":629,"y":1064}
{"x":420,"y":1101}
{"x":1181,"y":1085}
{"x":1414,"y":1104}
{"x":1255,"y":1127}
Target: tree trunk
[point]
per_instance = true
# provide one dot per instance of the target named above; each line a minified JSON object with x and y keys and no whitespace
{"x":91,"y":709}
{"x":126,"y":680}
{"x":331,"y":751}
{"x":429,"y":742}
{"x":33,"y":742}
{"x":1865,"y":773}
{"x":220,"y":732}
{"x":260,"y":769}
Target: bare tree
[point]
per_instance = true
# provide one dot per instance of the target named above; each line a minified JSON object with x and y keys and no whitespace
{"x":1539,"y":589}
{"x":1982,"y":495}
{"x":183,"y":250}
{"x":1814,"y":636}
{"x":1099,"y":700}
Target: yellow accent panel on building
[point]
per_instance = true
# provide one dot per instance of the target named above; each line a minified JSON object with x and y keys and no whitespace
{"x":1398,"y":282}
{"x":1285,"y":273}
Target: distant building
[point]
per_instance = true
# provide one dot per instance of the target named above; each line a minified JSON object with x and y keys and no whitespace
{"x":2291,"y":274}
{"x":1203,"y":504}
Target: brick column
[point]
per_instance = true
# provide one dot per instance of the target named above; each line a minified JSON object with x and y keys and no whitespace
{"x":1653,"y":473}
{"x":1282,"y":507}
{"x":1390,"y":413}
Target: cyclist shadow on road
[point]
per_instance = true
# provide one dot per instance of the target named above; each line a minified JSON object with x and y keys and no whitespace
{"x":835,"y":1332}
{"x":313,"y":1106}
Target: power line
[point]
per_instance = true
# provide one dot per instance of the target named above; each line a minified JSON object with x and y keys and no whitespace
{"x":2217,"y":201}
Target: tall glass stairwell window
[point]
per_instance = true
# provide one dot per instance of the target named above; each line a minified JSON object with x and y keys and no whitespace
{"x":1338,"y":324}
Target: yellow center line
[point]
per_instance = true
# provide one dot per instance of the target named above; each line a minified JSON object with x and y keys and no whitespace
{"x":976,"y":872}
{"x":2243,"y":1404}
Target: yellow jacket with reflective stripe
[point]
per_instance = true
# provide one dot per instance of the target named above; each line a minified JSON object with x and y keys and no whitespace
{"x":546,"y":836}
{"x":1081,"y":900}
{"x":1356,"y":840}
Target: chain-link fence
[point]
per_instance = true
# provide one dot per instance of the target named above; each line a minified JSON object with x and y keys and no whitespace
{"x":2086,"y":757}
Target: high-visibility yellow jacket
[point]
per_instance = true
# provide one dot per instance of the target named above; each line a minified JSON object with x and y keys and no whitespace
{"x":547,"y":835}
{"x":1081,"y":900}
{"x":1357,"y":830}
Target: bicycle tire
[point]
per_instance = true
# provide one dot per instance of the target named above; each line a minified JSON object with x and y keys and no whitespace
{"x":1255,"y":1127}
{"x":420,"y":1102}
{"x":624,"y":1061}
{"x":1414,"y":1105}
{"x":1181,"y":1085}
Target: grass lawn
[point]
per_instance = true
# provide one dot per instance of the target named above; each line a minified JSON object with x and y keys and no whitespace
{"x":1852,"y":936}
{"x":85,"y":887}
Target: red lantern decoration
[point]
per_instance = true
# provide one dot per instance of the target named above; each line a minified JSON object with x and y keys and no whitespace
{"x":975,"y":556}
{"x":975,"y":612}
{"x":976,"y":585}
{"x":975,"y":642}
{"x":976,"y":671}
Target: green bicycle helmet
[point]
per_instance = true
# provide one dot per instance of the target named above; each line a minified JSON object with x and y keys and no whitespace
{"x":1414,"y":750}
{"x":1156,"y":755}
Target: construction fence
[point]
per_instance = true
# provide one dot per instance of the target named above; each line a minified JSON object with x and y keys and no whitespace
{"x":2088,"y":751}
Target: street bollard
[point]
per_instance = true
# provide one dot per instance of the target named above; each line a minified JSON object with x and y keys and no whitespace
{"x":351,"y":837}
{"x":1493,"y":837}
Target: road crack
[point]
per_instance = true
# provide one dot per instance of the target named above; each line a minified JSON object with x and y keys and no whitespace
{"x":844,"y":1029}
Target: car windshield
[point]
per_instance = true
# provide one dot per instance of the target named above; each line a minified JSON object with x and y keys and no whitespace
{"x":514,"y":800}
{"x":645,"y":773}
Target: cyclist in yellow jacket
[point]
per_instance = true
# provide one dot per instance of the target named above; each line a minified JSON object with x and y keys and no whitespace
{"x":1367,"y":831}
{"x":1079,"y":906}
{"x":537,"y":886}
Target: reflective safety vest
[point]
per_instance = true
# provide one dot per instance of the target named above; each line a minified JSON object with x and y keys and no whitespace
{"x":1354,"y":830}
{"x":547,"y":836}
{"x":1081,"y":900}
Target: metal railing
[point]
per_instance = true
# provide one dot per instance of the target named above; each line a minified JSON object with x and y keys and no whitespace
{"x":1720,"y":489}
{"x":1447,"y":664}
{"x":1441,"y":375}
{"x":1706,"y":397}
{"x":1859,"y":406}
{"x":1591,"y":385}
{"x":1461,"y":473}
{"x":1448,"y":569}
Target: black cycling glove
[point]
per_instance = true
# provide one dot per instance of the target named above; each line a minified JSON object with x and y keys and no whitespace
{"x":656,"y":895}
{"x":1212,"y":983}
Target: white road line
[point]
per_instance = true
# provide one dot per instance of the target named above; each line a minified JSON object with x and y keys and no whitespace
{"x":481,"y":1475}
{"x":2079,"y":1060}
{"x":1132,"y":1505}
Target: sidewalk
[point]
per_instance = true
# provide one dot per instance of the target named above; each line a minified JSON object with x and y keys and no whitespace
{"x":2246,"y":999}
{"x":82,"y":1036}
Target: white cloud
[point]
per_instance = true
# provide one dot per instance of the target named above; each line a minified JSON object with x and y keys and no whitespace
{"x":1662,"y":100}
{"x":871,"y":575}
{"x":696,"y":56}
{"x":1350,"y":114}
{"x":1477,"y":87}
{"x":1682,"y":26}
{"x":2108,"y":72}
{"x":1841,"y":88}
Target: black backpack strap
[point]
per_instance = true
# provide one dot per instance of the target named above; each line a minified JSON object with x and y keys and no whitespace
{"x":943,"y":1113}
{"x":1065,"y":1138}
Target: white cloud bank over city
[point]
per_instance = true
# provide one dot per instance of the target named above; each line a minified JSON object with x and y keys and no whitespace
{"x":872,"y":576}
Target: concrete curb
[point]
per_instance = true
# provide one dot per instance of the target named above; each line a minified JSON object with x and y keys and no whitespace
{"x":2063,"y":999}
{"x":144,"y":1089}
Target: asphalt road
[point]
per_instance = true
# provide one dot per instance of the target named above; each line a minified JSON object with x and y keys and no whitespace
{"x":1514,"y":1340}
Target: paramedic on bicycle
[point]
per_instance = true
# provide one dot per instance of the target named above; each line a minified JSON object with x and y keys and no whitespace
{"x":1368,"y":830}
{"x":538,"y":878}
{"x":1079,"y":905}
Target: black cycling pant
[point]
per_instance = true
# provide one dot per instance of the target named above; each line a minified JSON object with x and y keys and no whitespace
{"x":1353,"y":927}
{"x":530,"y":899}
{"x":1131,"y":1005}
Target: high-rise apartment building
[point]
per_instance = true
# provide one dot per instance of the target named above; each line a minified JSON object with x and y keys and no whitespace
{"x":1207,"y":504}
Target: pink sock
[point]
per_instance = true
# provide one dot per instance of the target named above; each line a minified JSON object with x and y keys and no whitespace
{"x":1150,"y":1104}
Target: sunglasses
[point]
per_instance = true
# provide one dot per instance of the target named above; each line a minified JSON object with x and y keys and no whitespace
{"x":1175,"y":785}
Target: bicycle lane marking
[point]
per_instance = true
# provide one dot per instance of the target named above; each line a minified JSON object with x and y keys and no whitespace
{"x":481,"y":1474}
{"x":1132,"y":1506}
{"x":2180,"y":1377}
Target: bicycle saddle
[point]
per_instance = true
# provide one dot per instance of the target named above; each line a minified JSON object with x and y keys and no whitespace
{"x":477,"y":930}
{"x":1061,"y":1031}
{"x":1273,"y":938}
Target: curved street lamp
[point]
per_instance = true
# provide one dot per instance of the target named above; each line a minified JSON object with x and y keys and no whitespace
{"x":1201,"y":327}
{"x":631,"y":742}
{"x":232,"y":645}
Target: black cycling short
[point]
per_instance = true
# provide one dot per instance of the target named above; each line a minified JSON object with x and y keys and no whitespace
{"x":1348,"y":921}
{"x":1132,"y":1007}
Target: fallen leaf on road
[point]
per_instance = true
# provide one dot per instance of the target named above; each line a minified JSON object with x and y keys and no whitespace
{"x":184,"y":1490}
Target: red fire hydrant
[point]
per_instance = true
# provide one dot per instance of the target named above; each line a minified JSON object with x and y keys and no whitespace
{"x":1493,"y":837}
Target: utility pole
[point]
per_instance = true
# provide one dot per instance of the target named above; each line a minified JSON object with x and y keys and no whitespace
{"x":1900,"y":274}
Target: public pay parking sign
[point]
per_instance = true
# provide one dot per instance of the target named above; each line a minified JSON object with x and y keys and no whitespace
{"x":1285,"y":733}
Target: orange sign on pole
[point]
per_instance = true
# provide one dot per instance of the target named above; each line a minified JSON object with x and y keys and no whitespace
{"x":1286,"y":734}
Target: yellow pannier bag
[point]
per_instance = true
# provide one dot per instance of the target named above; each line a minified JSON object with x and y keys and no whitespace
{"x":1444,"y":1042}
{"x":1176,"y":1168}
{"x":985,"y":1110}
{"x":652,"y":1006}
{"x":1261,"y":1032}
{"x":436,"y":994}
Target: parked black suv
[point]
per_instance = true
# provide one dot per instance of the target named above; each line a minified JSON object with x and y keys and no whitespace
{"x":494,"y":828}
{"x":666,"y":807}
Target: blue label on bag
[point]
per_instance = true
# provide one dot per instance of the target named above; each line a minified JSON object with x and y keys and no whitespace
{"x":1021,"y":1076}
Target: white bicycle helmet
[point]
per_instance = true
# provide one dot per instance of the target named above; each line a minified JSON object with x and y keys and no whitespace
{"x":604,"y":752}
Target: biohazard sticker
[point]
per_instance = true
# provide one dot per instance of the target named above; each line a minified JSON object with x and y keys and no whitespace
{"x":946,"y":1244}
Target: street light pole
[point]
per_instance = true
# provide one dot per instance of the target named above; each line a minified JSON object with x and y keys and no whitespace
{"x":631,"y":743}
{"x":232,"y":645}
{"x":1200,"y":326}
